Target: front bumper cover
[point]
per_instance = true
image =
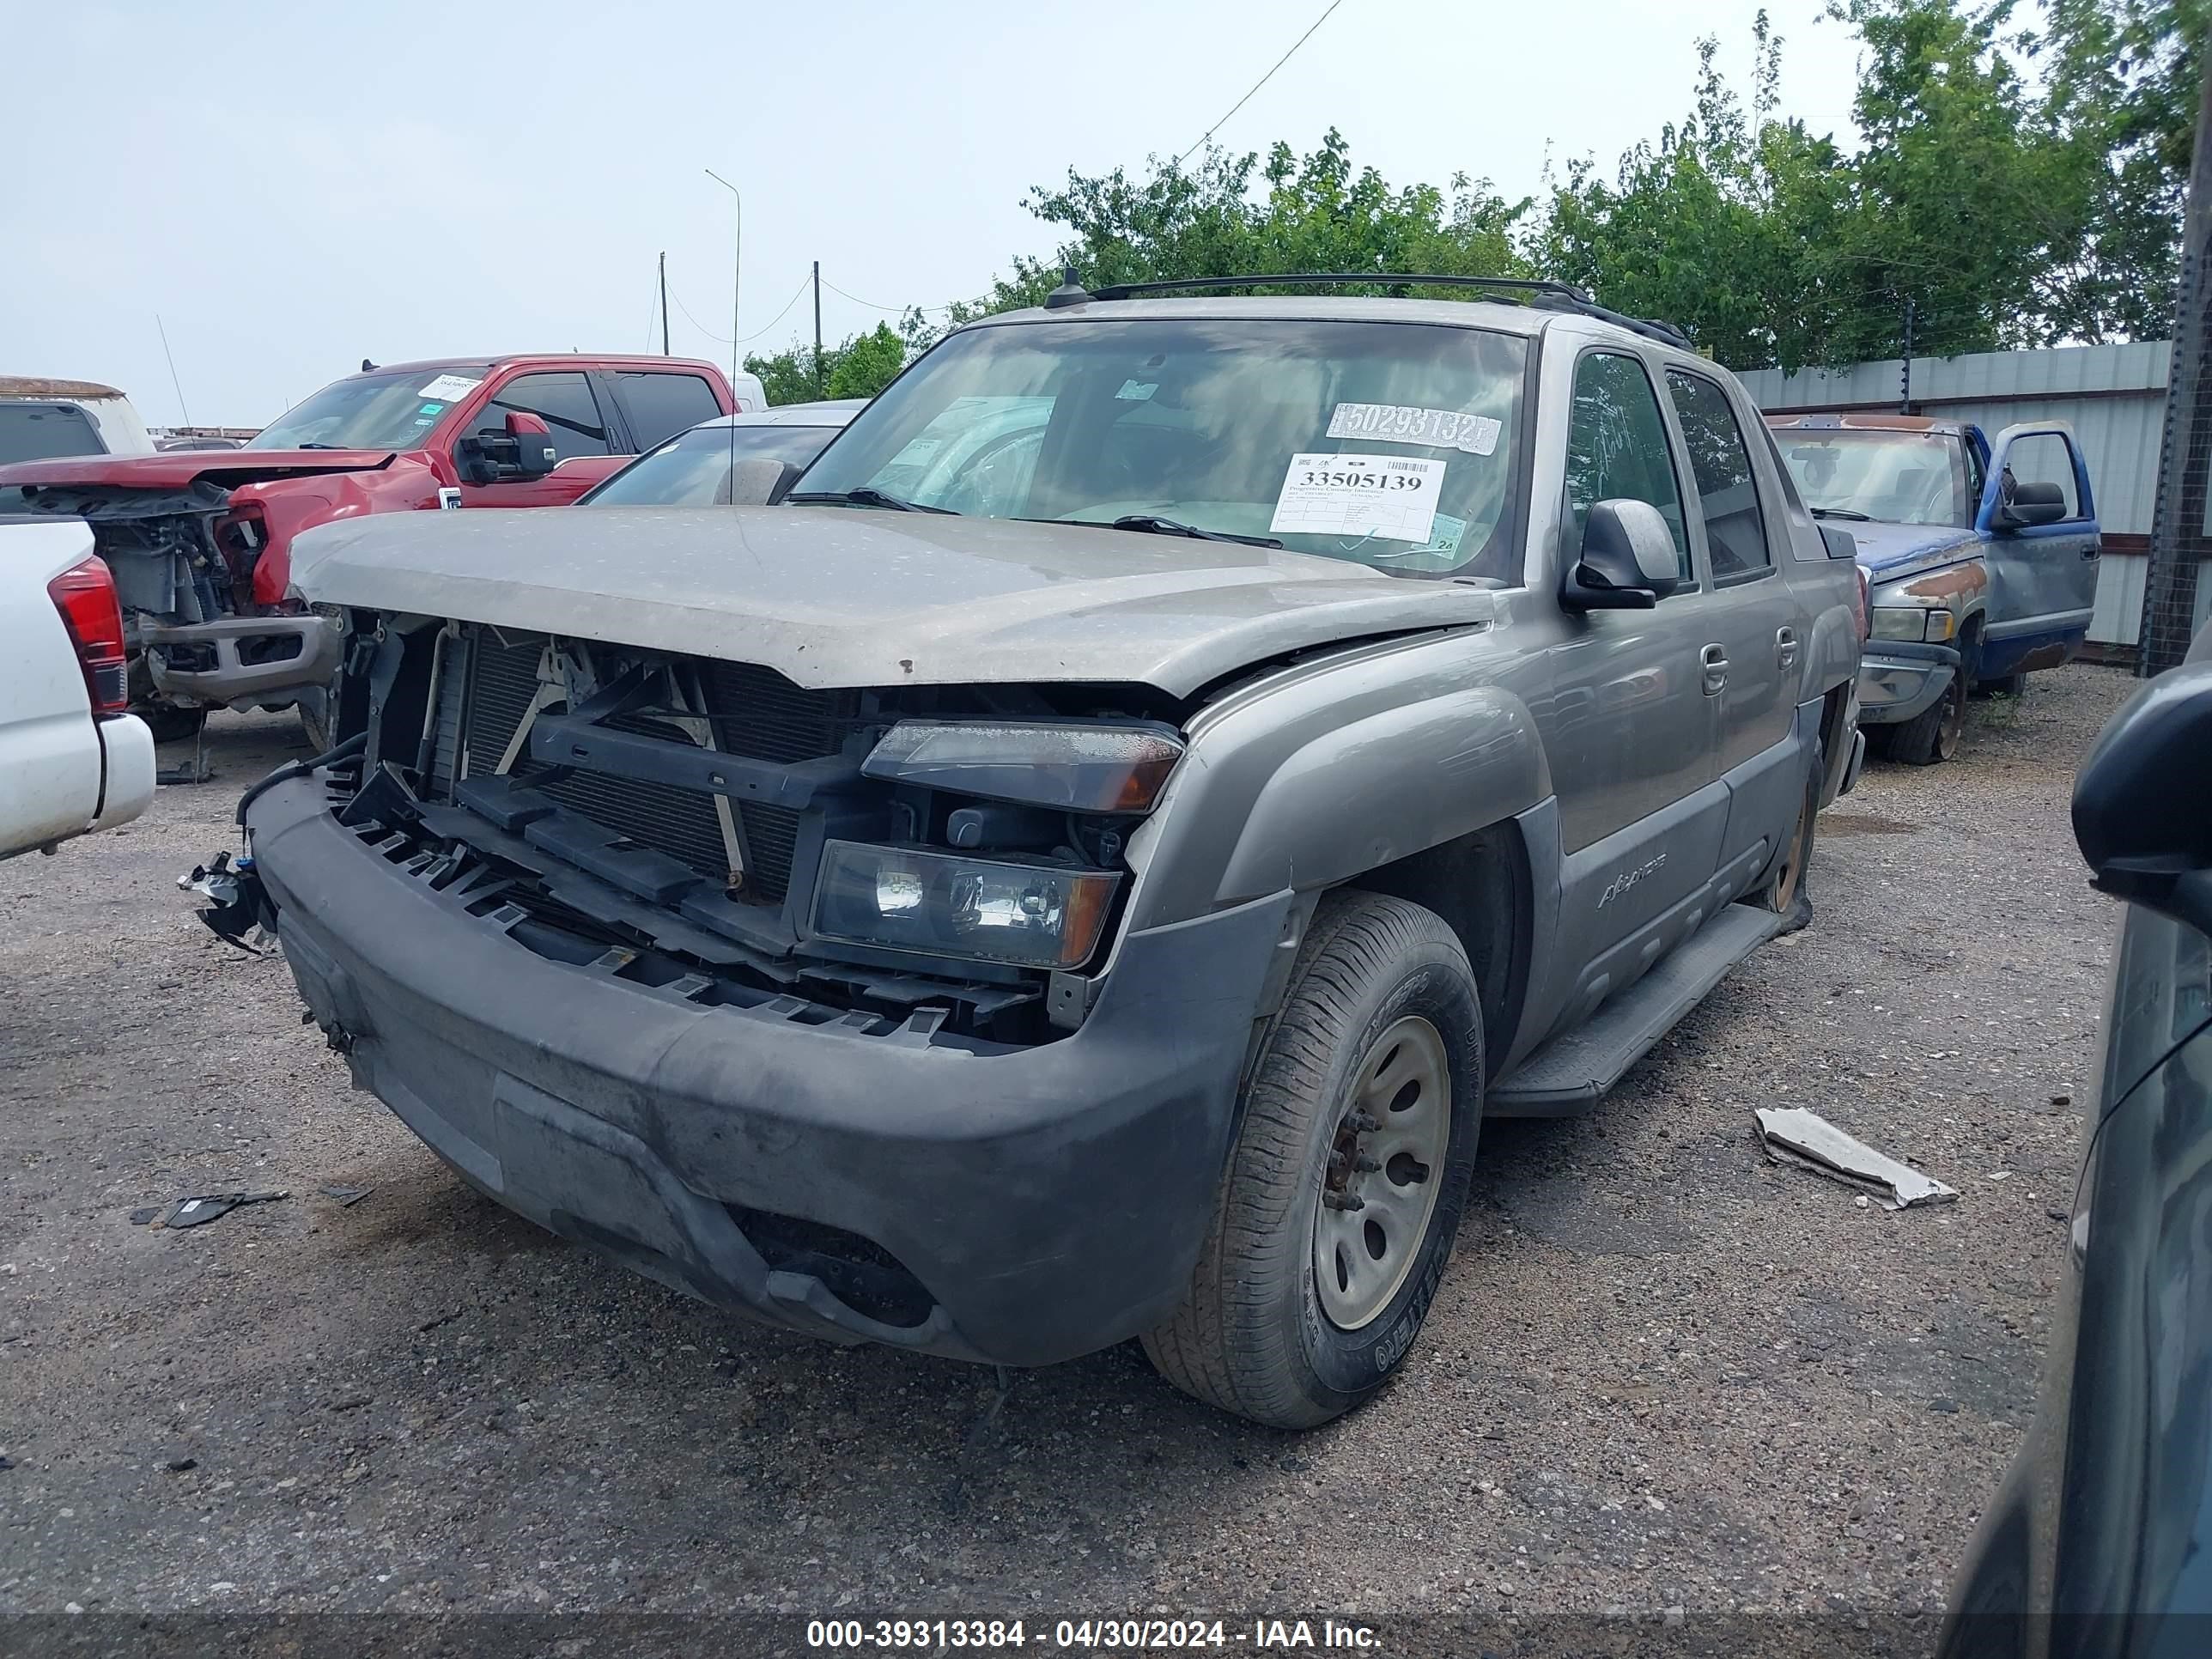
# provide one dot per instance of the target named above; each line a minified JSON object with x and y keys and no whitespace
{"x":1899,"y":679}
{"x":233,"y":681}
{"x":1050,"y":1201}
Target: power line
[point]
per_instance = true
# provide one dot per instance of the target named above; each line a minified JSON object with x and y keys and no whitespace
{"x":896,"y":311}
{"x":725,"y":339}
{"x":1261,"y":81}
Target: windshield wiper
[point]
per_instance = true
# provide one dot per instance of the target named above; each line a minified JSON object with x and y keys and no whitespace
{"x":1842,"y":513}
{"x":867,"y":496}
{"x":309,"y":443}
{"x":1152,"y":524}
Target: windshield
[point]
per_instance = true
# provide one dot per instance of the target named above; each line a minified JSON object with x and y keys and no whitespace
{"x":693,"y":468}
{"x":1391,"y":444}
{"x":373,"y":412}
{"x":39,"y":432}
{"x":1899,"y":478}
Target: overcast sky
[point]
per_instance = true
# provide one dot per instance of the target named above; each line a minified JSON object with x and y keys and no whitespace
{"x":293,"y":190}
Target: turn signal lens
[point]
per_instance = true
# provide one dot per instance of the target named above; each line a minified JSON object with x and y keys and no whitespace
{"x":1077,"y":768}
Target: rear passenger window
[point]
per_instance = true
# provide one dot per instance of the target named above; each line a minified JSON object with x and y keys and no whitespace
{"x":1617,"y":448}
{"x":1720,"y":463}
{"x":661,"y":404}
{"x":2042,"y":458}
{"x":563,"y":400}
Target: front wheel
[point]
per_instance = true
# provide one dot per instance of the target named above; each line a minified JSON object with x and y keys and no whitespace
{"x":1349,"y":1170}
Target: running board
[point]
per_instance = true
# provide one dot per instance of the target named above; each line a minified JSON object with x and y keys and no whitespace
{"x":1572,"y":1071}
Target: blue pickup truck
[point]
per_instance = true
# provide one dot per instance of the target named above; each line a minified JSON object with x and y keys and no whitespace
{"x":1980,"y":556}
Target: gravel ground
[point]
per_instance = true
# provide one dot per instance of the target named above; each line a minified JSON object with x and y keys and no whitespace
{"x":1663,"y":1372}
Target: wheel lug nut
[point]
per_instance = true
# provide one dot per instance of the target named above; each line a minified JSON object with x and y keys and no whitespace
{"x":1344,"y":1200}
{"x":1365,"y":1121}
{"x":1366,"y":1164}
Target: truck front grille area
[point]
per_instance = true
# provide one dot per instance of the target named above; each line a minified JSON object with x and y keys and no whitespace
{"x":751,"y":711}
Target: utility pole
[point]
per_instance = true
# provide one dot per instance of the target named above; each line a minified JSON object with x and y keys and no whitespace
{"x":817,"y":329}
{"x":663,"y":303}
{"x":1905,"y":393}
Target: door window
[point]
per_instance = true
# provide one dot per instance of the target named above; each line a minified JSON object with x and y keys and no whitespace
{"x":563,"y":401}
{"x":2041,"y":457}
{"x":661,"y":404}
{"x":1617,"y":448}
{"x":1727,"y":494}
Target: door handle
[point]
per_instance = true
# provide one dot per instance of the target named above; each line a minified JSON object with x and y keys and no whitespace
{"x":1715,"y":665}
{"x":1785,"y":647}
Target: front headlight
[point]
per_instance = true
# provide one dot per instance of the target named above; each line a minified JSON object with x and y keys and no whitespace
{"x":1077,"y":768}
{"x":992,"y":910}
{"x":1899,"y":623}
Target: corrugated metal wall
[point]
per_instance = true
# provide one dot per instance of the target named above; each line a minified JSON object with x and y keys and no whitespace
{"x":2114,"y":396}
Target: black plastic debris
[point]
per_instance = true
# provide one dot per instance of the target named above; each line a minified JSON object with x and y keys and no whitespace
{"x":141,"y":1218}
{"x":346,"y":1196}
{"x":198,"y":1211}
{"x":181,"y":1465}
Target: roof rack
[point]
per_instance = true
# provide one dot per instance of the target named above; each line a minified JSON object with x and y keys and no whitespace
{"x":1549,"y":296}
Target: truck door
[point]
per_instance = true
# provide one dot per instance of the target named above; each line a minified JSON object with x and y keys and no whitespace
{"x":1626,"y":710}
{"x":1755,"y":619}
{"x":580,"y":430}
{"x":2043,"y":577}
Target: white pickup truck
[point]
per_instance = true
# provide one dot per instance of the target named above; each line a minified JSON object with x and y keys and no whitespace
{"x":72,"y":759}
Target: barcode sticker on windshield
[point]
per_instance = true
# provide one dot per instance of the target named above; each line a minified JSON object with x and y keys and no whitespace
{"x":449,"y":387}
{"x":1387,"y":496}
{"x":1402,"y":423}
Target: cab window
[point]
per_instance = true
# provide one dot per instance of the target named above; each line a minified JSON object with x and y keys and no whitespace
{"x":563,"y":401}
{"x":1720,"y":463}
{"x":1617,"y":449}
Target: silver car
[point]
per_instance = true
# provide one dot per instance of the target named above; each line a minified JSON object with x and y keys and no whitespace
{"x":694,"y":468}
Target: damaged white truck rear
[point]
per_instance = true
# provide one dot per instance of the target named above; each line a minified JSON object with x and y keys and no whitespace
{"x":1083,"y":863}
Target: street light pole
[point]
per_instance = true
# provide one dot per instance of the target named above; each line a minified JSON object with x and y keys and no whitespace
{"x":737,"y":256}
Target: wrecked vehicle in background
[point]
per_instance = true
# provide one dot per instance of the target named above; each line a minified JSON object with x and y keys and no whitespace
{"x":1981,"y":558}
{"x":1111,"y":910}
{"x":200,"y":541}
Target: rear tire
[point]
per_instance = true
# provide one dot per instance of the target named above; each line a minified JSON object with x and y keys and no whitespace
{"x":1381,"y":1018}
{"x":1784,"y":891}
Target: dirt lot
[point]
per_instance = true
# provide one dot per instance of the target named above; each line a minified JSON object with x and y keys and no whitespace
{"x":1663,"y":1372}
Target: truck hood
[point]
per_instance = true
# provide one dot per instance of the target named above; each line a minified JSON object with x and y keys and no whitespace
{"x":833,"y":597}
{"x":177,"y":469}
{"x":1893,"y":550}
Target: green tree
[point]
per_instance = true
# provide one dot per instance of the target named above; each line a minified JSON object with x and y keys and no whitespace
{"x":1722,"y":226}
{"x":860,"y":365}
{"x":1231,"y":214}
{"x":2123,"y":91}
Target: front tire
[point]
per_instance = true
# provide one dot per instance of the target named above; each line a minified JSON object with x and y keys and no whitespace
{"x":1349,"y":1170}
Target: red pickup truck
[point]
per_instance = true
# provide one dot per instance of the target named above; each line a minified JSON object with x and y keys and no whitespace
{"x":200,"y":541}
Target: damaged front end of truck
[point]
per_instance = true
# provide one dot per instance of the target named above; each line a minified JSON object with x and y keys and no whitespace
{"x":755,"y":907}
{"x":198,"y":545}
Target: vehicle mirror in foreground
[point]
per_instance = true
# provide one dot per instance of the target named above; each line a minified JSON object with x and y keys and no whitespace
{"x":534,"y":455}
{"x":2031,"y":503}
{"x":2142,"y":816}
{"x":757,"y":483}
{"x":1627,"y":560}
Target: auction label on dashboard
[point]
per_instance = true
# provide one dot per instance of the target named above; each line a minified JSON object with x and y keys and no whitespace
{"x":1390,"y":497}
{"x":1405,"y":423}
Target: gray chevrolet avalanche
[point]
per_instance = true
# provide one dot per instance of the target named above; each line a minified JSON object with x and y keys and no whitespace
{"x":1082,"y":862}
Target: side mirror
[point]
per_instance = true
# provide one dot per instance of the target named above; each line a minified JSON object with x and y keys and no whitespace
{"x":524,"y":450}
{"x":1627,"y":560}
{"x":2031,"y":503}
{"x":2138,"y":817}
{"x":534,"y":454}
